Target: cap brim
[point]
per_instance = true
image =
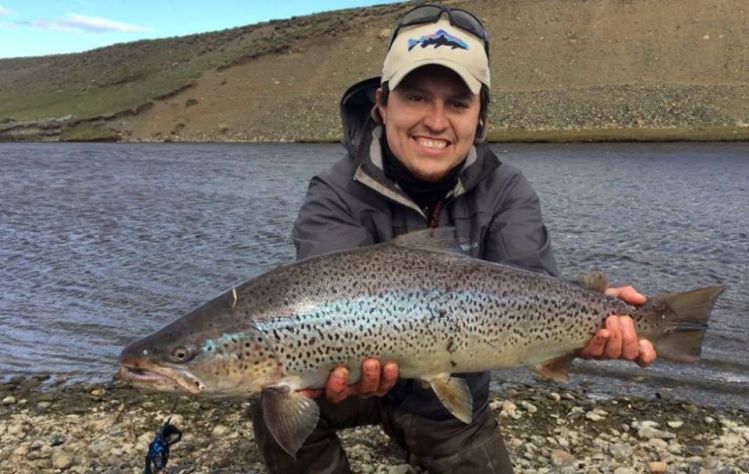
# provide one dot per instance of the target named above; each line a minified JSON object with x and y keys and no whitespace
{"x":474,"y":85}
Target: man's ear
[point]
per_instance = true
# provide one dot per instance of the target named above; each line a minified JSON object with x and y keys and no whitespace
{"x":379,"y":109}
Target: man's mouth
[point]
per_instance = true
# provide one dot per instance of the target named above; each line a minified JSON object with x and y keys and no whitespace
{"x":432,"y":143}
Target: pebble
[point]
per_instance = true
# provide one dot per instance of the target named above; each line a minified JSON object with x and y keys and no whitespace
{"x":508,"y":407}
{"x":43,"y":405}
{"x":675,"y":424}
{"x":401,"y":469}
{"x":657,"y":466}
{"x":529,"y":407}
{"x":98,"y":392}
{"x":61,"y":460}
{"x":562,"y":458}
{"x":219,"y":431}
{"x":9,"y":400}
{"x":648,"y":432}
{"x":596,"y":415}
{"x":624,"y":470}
{"x":620,"y":451}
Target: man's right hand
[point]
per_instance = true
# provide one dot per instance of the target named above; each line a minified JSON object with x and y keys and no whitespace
{"x":376,"y":380}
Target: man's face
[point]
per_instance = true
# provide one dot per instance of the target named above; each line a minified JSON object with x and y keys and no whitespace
{"x":430,"y":121}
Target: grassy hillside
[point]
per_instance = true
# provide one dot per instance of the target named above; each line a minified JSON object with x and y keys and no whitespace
{"x":561,"y":69}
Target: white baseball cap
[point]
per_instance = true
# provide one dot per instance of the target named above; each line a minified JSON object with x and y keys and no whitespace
{"x":437,"y":43}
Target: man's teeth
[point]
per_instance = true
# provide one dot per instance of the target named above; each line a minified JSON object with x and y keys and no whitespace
{"x":431,"y":143}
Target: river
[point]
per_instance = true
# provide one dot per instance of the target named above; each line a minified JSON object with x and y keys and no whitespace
{"x":103,"y":243}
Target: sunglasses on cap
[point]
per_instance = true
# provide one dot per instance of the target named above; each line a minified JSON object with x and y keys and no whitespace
{"x":431,"y":14}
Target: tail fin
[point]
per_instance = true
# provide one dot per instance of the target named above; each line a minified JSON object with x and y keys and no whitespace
{"x":686,"y":315}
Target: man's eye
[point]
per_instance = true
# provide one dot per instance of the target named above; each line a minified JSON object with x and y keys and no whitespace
{"x":416,"y":98}
{"x":460,"y":104}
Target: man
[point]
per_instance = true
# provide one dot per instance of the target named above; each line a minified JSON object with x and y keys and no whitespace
{"x":416,"y":159}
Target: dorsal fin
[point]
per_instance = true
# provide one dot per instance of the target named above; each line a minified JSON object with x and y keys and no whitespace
{"x":438,"y":239}
{"x":596,"y":280}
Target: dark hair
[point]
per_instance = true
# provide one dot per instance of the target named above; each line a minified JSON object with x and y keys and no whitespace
{"x":484,"y":101}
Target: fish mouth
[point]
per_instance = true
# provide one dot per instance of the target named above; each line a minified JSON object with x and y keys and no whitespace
{"x":160,"y":377}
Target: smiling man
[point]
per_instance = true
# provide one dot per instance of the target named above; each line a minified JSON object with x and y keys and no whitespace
{"x":417,"y":159}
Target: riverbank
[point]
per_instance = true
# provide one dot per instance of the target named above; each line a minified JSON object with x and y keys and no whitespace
{"x":49,"y":426}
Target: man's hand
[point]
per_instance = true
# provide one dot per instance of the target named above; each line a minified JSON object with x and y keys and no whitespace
{"x":376,"y":380}
{"x":619,"y":339}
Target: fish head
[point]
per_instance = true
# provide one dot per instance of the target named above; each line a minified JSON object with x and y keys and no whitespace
{"x":209,"y":352}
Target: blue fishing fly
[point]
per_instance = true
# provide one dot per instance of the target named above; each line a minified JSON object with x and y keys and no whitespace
{"x":158,"y":449}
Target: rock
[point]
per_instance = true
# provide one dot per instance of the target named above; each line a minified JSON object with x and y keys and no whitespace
{"x":709,"y":420}
{"x":648,"y":432}
{"x":56,"y":440}
{"x":219,"y":431}
{"x":562,"y":458}
{"x":61,"y":460}
{"x":620,"y":451}
{"x":657,"y":466}
{"x":624,"y":470}
{"x":43,"y":405}
{"x":554,"y":396}
{"x":658,"y":443}
{"x":401,"y":469}
{"x":596,"y":415}
{"x":21,"y":451}
{"x":508,"y":408}
{"x":9,"y":400}
{"x":694,"y":450}
{"x":36,"y":445}
{"x":529,"y":407}
{"x":731,"y":440}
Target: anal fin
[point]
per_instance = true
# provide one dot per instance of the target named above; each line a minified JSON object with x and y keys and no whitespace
{"x":556,"y":369}
{"x":454,"y":394}
{"x":290,"y":416}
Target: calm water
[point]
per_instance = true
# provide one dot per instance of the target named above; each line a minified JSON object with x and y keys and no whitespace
{"x":101,"y":244}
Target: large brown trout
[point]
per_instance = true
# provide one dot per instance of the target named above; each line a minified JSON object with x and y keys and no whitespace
{"x":416,"y":300}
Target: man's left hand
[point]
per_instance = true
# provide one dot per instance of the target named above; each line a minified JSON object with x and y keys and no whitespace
{"x":618,"y":340}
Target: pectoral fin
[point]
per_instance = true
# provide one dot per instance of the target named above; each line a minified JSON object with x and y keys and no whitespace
{"x":290,"y":416}
{"x":454,"y":394}
{"x":556,"y":369}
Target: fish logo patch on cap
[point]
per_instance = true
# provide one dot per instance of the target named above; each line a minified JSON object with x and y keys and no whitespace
{"x":437,"y":39}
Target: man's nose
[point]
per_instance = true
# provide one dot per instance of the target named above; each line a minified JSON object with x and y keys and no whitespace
{"x":436,"y":118}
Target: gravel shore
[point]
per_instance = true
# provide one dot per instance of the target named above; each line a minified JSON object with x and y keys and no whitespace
{"x":48,"y":426}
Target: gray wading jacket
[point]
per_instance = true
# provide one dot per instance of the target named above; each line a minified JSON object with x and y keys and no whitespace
{"x":354,"y":204}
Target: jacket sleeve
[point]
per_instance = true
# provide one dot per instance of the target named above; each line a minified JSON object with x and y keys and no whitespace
{"x":326,"y":224}
{"x":517,"y":234}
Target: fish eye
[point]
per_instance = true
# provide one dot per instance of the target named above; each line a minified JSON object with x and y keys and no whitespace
{"x":180,"y":354}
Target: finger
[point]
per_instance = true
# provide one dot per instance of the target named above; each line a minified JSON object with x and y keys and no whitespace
{"x":627,"y":294}
{"x":336,"y":389}
{"x":370,"y":378}
{"x":630,"y":344}
{"x":307,"y":392}
{"x":614,"y":344}
{"x":647,"y":353}
{"x":388,"y":379}
{"x":596,"y":345}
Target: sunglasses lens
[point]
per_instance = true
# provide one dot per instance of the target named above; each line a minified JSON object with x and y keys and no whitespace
{"x":425,"y":14}
{"x":468,"y":22}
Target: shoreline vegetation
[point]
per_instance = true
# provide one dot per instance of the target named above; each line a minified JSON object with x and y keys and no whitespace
{"x":52,"y":426}
{"x":562,"y":71}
